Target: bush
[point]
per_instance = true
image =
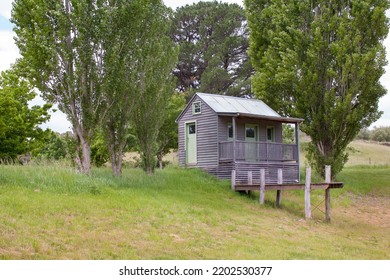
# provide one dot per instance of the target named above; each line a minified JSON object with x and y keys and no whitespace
{"x":378,"y":134}
{"x":381,"y":134}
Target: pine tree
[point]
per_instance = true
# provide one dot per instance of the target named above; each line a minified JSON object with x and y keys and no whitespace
{"x":213,"y":39}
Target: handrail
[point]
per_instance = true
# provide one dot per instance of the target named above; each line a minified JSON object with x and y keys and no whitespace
{"x":257,"y":151}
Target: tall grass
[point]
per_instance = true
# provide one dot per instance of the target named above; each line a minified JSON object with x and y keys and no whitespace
{"x":51,"y":212}
{"x":367,"y":179}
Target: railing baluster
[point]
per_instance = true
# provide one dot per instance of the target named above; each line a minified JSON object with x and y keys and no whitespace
{"x":264,"y":151}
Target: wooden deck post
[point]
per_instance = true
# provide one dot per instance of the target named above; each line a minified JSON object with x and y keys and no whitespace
{"x":250,"y":181}
{"x":262,"y":186}
{"x":307,"y":193}
{"x":327,"y":194}
{"x":234,"y":138}
{"x":279,"y":192}
{"x":298,"y":148}
{"x":233,"y":180}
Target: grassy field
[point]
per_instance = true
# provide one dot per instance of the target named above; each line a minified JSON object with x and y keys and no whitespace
{"x":368,"y":153}
{"x":361,"y":153}
{"x":49,"y":212}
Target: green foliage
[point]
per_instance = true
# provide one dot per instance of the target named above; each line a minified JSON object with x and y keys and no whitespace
{"x":320,"y":61}
{"x":381,"y":134}
{"x":61,"y":47}
{"x":128,"y":24}
{"x":19,"y":123}
{"x":378,"y":134}
{"x":99,"y":150}
{"x":154,"y":83}
{"x":364,"y":134}
{"x":168,"y":133}
{"x":288,"y":133}
{"x":213,"y":39}
{"x":55,"y":147}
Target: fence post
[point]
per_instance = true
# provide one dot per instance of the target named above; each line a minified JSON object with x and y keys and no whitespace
{"x":233,"y":180}
{"x":307,"y":193}
{"x":327,"y":194}
{"x":279,"y":192}
{"x":262,"y":186}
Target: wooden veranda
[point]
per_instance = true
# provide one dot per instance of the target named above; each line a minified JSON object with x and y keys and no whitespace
{"x":280,"y":186}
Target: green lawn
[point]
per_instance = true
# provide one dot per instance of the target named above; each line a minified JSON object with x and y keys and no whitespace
{"x":49,"y":212}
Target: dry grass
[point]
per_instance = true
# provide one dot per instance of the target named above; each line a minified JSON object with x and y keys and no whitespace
{"x":133,"y":158}
{"x":369,"y":153}
{"x":362,"y":153}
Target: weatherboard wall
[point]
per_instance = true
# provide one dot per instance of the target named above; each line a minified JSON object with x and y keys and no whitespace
{"x":262,"y":125}
{"x":206,"y":134}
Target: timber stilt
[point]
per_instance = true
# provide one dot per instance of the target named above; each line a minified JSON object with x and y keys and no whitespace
{"x":262,"y":186}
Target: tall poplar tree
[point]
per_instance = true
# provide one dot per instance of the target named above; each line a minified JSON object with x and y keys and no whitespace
{"x":139,"y":57}
{"x":320,"y":60}
{"x":124,"y":24}
{"x":60,"y":44}
{"x":156,"y":57}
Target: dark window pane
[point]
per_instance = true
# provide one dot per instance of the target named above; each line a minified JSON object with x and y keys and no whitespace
{"x":230,"y":131}
{"x":270,"y":134}
{"x":250,"y":132}
{"x":191,"y":129}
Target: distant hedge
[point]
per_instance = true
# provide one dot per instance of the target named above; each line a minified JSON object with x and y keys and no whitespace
{"x":378,"y":134}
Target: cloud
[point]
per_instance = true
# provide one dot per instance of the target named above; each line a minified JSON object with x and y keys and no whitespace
{"x":58,"y":122}
{"x":5,"y":8}
{"x":8,"y":50}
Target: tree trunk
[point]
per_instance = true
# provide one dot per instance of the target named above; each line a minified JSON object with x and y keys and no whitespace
{"x":83,"y":151}
{"x":149,"y":170}
{"x":116,"y":151}
{"x":86,"y":157}
{"x":116,"y":161}
{"x":160,"y":160}
{"x":148,"y":162}
{"x":77,"y":160}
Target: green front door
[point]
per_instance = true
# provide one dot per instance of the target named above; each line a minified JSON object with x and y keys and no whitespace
{"x":251,"y":138}
{"x":191,"y":143}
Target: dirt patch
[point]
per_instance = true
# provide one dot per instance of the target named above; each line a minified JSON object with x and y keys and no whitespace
{"x":371,"y":210}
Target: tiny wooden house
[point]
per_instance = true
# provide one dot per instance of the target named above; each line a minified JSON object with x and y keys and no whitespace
{"x":222,"y":133}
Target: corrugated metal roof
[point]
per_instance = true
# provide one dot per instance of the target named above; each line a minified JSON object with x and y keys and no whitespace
{"x":222,"y":104}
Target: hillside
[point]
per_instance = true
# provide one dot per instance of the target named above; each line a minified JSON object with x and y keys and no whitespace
{"x":370,"y":153}
{"x":49,"y":212}
{"x":361,"y":153}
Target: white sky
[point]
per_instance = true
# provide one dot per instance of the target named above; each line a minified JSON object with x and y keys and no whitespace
{"x":9,"y":52}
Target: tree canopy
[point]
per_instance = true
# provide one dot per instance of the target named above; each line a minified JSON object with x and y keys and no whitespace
{"x":213,"y":39}
{"x":60,"y":44}
{"x":100,"y":61}
{"x":321,"y":61}
{"x":154,"y":82}
{"x":19,"y":123}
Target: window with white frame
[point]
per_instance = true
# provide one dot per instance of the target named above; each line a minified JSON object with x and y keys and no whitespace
{"x":196,"y":108}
